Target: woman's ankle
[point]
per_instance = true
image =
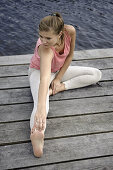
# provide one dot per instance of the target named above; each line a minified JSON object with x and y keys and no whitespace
{"x":64,"y":88}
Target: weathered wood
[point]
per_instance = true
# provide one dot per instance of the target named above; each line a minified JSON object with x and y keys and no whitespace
{"x":78,"y":55}
{"x":15,"y":59}
{"x":97,"y":63}
{"x":14,"y":82}
{"x":19,"y":70}
{"x":75,"y":118}
{"x":104,"y":163}
{"x":14,"y":96}
{"x":60,"y":127}
{"x":23,"y":81}
{"x":107,"y":74}
{"x":57,"y":150}
{"x":93,"y":53}
{"x":86,"y":105}
{"x":104,"y":88}
{"x":16,"y":112}
{"x":58,"y":108}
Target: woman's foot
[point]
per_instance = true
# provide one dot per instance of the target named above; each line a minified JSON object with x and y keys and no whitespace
{"x":58,"y":89}
{"x":37,"y":139}
{"x":50,"y":91}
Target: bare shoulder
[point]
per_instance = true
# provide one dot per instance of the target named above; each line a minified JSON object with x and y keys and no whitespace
{"x":70,"y":29}
{"x":42,"y":50}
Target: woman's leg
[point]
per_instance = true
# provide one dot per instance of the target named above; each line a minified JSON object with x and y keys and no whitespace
{"x":77,"y":76}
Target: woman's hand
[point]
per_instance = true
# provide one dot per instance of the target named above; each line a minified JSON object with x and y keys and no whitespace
{"x":40,"y":119}
{"x":54,"y":84}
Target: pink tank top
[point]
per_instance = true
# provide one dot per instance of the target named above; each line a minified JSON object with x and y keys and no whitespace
{"x":58,"y":59}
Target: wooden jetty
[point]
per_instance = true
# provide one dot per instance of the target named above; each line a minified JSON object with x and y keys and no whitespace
{"x":79,"y":134}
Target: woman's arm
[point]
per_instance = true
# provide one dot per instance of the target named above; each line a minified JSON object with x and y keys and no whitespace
{"x":56,"y":82}
{"x":71,"y":30}
{"x":46,"y":56}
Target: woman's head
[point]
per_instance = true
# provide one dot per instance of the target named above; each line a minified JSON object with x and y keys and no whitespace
{"x":52,"y":26}
{"x":52,"y":22}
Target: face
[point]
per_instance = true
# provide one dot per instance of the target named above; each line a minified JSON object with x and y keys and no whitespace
{"x":48,"y":38}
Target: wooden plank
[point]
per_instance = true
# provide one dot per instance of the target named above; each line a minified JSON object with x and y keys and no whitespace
{"x":16,"y":112}
{"x":98,"y":63}
{"x":23,"y":81}
{"x":15,"y":59}
{"x":93,"y":53}
{"x":59,"y":108}
{"x":60,"y":127}
{"x":14,"y":82}
{"x":14,"y":96}
{"x":78,"y":55}
{"x":19,"y":70}
{"x":103,"y":89}
{"x":107,"y":74}
{"x":103,"y":163}
{"x":57,"y":150}
{"x":85,"y":105}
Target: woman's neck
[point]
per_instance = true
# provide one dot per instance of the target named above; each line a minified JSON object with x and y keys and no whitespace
{"x":61,"y":41}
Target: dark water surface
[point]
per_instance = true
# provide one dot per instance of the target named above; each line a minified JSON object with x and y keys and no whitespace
{"x":19,"y":19}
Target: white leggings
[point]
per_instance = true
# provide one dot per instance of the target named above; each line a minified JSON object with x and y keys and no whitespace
{"x":74,"y":77}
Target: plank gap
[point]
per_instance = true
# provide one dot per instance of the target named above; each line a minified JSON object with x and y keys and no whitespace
{"x":15,"y":76}
{"x":106,"y":68}
{"x":15,"y":103}
{"x":14,"y":64}
{"x":25,"y":87}
{"x":26,"y":120}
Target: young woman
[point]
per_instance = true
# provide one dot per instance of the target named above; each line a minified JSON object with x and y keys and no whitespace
{"x":50,"y":72}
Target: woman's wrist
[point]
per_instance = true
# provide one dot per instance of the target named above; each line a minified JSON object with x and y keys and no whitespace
{"x":58,"y":77}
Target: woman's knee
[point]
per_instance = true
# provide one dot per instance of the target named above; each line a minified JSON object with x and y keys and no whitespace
{"x":97,"y":75}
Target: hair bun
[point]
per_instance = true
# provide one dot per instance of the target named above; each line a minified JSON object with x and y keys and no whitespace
{"x":56,"y":14}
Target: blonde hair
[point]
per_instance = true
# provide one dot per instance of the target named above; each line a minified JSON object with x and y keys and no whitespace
{"x":53,"y":21}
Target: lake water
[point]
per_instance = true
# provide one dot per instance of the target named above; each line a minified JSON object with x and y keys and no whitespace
{"x":19,"y":19}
